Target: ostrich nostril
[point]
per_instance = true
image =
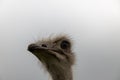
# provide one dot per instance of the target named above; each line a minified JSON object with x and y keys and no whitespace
{"x":44,"y":45}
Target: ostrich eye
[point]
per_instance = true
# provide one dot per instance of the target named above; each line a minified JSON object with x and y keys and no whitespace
{"x":65,"y":44}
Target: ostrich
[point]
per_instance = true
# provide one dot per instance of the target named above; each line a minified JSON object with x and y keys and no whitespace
{"x":56,"y":55}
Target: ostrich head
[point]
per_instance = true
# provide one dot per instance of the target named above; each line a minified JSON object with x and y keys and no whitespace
{"x":56,"y":55}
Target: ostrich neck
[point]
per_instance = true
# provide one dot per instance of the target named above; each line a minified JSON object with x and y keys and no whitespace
{"x":60,"y":72}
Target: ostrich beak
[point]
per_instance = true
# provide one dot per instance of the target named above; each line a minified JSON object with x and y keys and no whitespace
{"x":40,"y":50}
{"x":33,"y":47}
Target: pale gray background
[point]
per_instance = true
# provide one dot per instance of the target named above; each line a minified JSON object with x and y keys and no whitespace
{"x":94,"y":26}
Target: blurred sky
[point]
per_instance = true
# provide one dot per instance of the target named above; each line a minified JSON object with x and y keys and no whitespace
{"x":94,"y":26}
